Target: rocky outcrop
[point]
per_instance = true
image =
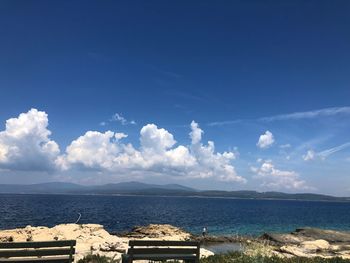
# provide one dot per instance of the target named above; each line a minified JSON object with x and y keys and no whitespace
{"x":222,"y":239}
{"x":159,"y":231}
{"x":94,"y":239}
{"x":91,"y":238}
{"x":331,"y":236}
{"x":311,"y":242}
{"x":308,"y":234}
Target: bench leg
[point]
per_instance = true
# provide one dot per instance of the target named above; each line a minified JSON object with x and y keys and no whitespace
{"x":126,"y":258}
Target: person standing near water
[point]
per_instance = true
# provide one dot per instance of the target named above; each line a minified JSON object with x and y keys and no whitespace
{"x":204,"y":232}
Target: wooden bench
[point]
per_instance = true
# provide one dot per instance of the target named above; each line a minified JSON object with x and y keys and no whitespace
{"x":43,"y":251}
{"x":157,"y":250}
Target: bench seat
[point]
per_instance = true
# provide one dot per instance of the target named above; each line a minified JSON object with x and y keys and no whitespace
{"x":158,"y":250}
{"x":36,"y":252}
{"x":36,"y":260}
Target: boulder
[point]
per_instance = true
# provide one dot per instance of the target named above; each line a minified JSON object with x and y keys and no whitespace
{"x":295,"y":251}
{"x":315,"y":246}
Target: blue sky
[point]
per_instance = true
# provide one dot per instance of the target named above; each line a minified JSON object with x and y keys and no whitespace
{"x":238,"y":69}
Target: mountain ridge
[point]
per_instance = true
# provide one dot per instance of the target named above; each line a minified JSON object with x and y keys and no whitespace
{"x":138,"y":188}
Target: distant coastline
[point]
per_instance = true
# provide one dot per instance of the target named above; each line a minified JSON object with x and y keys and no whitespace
{"x":170,"y":190}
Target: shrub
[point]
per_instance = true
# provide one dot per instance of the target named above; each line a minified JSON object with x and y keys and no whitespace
{"x":237,"y":257}
{"x":97,"y":259}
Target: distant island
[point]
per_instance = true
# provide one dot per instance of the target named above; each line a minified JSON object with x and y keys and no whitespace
{"x":137,"y":188}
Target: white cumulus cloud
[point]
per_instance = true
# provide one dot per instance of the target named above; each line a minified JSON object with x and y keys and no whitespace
{"x":265,"y":140}
{"x":278,"y":179}
{"x":157,"y":154}
{"x":209,"y":163}
{"x":25,"y":143}
{"x":156,"y":140}
{"x":92,"y":150}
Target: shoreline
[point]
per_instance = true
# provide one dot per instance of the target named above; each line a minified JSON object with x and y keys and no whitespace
{"x":185,"y":196}
{"x":94,"y":239}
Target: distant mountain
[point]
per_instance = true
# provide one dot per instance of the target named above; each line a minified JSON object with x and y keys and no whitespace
{"x":55,"y":187}
{"x":137,"y":188}
{"x":134,"y":188}
{"x":273,"y":195}
{"x":70,"y":188}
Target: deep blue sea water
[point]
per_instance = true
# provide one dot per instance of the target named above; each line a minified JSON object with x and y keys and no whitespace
{"x":219,"y":215}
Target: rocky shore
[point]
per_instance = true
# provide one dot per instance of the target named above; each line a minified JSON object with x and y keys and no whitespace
{"x":303,"y":242}
{"x":94,"y":239}
{"x":309,"y":242}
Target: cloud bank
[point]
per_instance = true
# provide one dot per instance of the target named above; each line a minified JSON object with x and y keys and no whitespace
{"x":25,"y":144}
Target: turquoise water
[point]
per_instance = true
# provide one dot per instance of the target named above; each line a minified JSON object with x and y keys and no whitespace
{"x":219,"y":215}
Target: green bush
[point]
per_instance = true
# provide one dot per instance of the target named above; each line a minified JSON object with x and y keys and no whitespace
{"x":237,"y":257}
{"x":97,"y":259}
{"x":234,"y":257}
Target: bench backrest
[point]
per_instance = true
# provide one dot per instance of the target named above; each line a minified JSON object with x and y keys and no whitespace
{"x":152,"y":247}
{"x":41,"y":251}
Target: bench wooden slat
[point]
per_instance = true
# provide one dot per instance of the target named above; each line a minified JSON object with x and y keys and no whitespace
{"x":39,"y":244}
{"x":36,"y":252}
{"x":162,"y":243}
{"x":135,"y":251}
{"x":40,"y":251}
{"x":162,"y":257}
{"x":37,"y":260}
{"x":158,"y":250}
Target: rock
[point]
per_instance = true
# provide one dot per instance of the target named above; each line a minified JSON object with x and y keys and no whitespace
{"x":308,"y":249}
{"x":159,"y":231}
{"x":344,"y":254}
{"x":295,"y":251}
{"x":6,"y":239}
{"x":221,"y":239}
{"x":311,"y":242}
{"x":315,"y":246}
{"x":205,"y":253}
{"x":331,"y":236}
{"x":283,"y":238}
{"x":308,"y":234}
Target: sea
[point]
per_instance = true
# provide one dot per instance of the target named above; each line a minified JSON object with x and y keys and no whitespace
{"x":221,"y":216}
